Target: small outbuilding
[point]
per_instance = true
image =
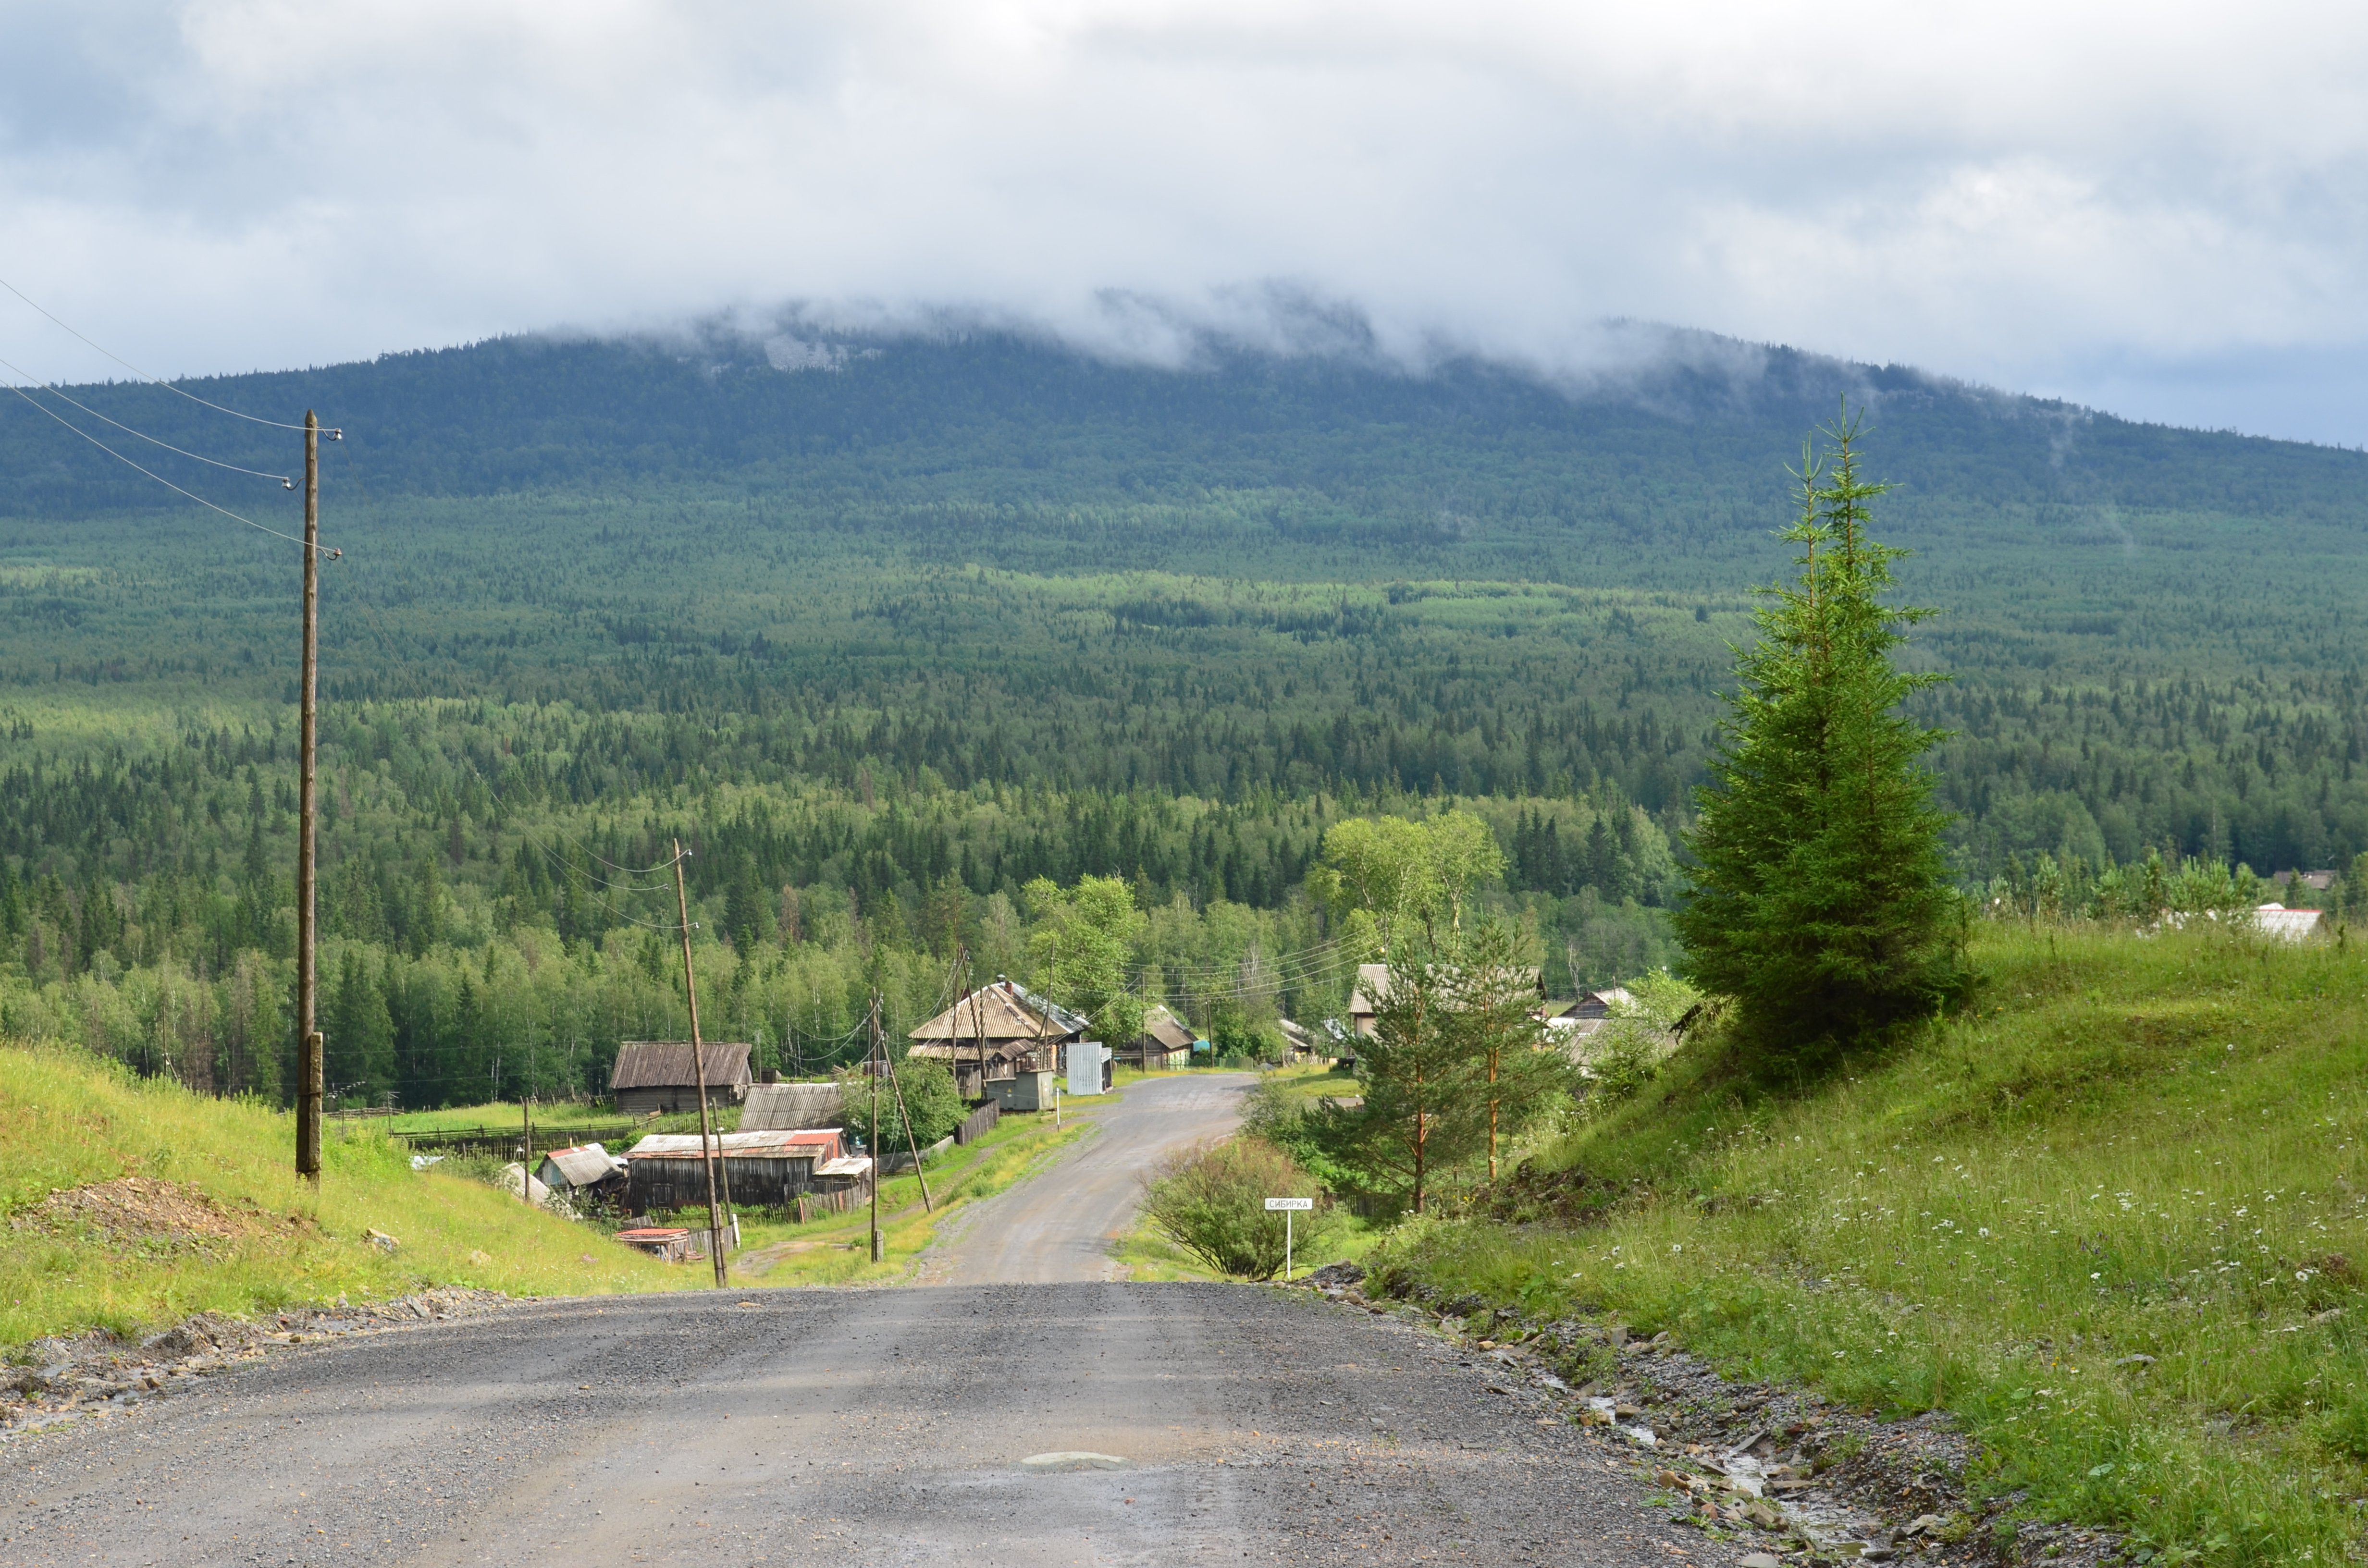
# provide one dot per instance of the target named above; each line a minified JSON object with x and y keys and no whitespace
{"x":763,"y":1170}
{"x":1306,"y":1044}
{"x":1023,"y":1091}
{"x":660,"y":1075}
{"x":587,"y":1168}
{"x":1090,"y":1068}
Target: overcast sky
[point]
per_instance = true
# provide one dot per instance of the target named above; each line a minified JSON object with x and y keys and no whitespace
{"x":2160,"y":209}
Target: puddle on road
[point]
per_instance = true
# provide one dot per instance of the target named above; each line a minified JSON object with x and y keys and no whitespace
{"x":1074,"y":1459}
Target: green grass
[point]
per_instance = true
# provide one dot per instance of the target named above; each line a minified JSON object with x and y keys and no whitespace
{"x":68,"y":1119}
{"x":2134,"y":1146}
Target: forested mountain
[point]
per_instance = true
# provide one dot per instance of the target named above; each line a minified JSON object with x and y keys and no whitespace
{"x":889,"y":627}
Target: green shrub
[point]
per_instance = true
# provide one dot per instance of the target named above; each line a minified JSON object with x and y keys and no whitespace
{"x":1210,"y":1200}
{"x":930,"y":1094}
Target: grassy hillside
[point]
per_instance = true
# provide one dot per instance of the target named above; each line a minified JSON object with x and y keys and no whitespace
{"x":132,"y":1202}
{"x":2116,"y":1220}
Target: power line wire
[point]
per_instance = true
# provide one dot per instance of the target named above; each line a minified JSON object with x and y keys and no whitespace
{"x":118,"y":457}
{"x":335,"y":435}
{"x":54,"y":391}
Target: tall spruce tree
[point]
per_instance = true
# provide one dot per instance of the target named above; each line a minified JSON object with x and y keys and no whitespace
{"x":1821,"y":901}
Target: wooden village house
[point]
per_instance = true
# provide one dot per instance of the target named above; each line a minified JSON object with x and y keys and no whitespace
{"x":657,"y":1075}
{"x":1167,"y":1040}
{"x":997,"y":1033}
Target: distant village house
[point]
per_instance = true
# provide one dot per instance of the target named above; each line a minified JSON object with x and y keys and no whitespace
{"x":657,"y":1075}
{"x":999,"y":1032}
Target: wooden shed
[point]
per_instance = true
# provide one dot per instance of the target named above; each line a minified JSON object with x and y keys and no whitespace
{"x":658,"y":1075}
{"x":764,"y":1170}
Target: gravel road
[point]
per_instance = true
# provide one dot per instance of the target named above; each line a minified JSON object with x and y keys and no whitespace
{"x":1058,"y":1226}
{"x":861,"y":1427}
{"x":849,"y":1427}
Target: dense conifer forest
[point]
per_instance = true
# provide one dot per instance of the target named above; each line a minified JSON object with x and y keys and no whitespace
{"x":888,"y":629}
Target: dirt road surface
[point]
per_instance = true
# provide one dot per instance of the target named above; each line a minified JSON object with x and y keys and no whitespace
{"x":1059,"y":1226}
{"x":877,"y":1426}
{"x":851,"y":1428}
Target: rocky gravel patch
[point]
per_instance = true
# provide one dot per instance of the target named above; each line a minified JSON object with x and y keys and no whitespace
{"x":1803,"y":1481}
{"x":52,"y":1382}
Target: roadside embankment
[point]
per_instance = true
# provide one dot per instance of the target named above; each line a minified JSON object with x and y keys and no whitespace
{"x":2108,"y":1227}
{"x":133,"y":1204}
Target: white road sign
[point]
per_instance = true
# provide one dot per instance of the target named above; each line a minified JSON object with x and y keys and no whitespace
{"x":1288,"y":1205}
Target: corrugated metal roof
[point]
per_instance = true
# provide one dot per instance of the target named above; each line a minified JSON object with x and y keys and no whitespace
{"x":1167,"y":1029}
{"x":584,"y":1166}
{"x":667,"y":1064}
{"x":845,"y":1166}
{"x":773,"y":1106}
{"x":785,"y":1142}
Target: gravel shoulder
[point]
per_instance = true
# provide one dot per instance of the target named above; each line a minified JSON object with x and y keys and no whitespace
{"x":874,"y":1426}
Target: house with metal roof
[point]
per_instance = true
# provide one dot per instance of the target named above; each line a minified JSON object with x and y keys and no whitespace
{"x":999,"y":1031}
{"x":659,"y":1075}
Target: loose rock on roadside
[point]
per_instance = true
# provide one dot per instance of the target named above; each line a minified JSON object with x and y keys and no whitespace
{"x":51,"y":1381}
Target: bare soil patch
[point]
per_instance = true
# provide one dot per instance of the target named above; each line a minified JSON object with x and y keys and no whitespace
{"x":139,"y":1211}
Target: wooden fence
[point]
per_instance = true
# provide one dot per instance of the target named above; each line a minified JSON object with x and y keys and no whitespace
{"x":506,"y":1142}
{"x":813,"y":1205}
{"x":978,"y":1123}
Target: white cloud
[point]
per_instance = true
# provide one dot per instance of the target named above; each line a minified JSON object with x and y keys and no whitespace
{"x":2109,"y":199}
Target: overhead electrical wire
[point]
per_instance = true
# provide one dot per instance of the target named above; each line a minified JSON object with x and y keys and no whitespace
{"x":56,"y":392}
{"x":323,"y":550}
{"x":158,"y":380}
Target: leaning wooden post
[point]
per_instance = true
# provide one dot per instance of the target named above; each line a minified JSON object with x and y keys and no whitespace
{"x":711,"y":1155}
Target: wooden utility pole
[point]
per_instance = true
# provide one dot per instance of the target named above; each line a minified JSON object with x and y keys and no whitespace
{"x":871,"y":1071}
{"x":526,"y":1156}
{"x":711,"y":1154}
{"x":309,"y":1071}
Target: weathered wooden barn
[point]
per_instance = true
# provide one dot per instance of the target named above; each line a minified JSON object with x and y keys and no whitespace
{"x":764,"y":1170}
{"x":658,"y":1075}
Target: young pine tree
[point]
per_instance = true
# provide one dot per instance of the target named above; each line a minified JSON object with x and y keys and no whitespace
{"x":1821,"y":901}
